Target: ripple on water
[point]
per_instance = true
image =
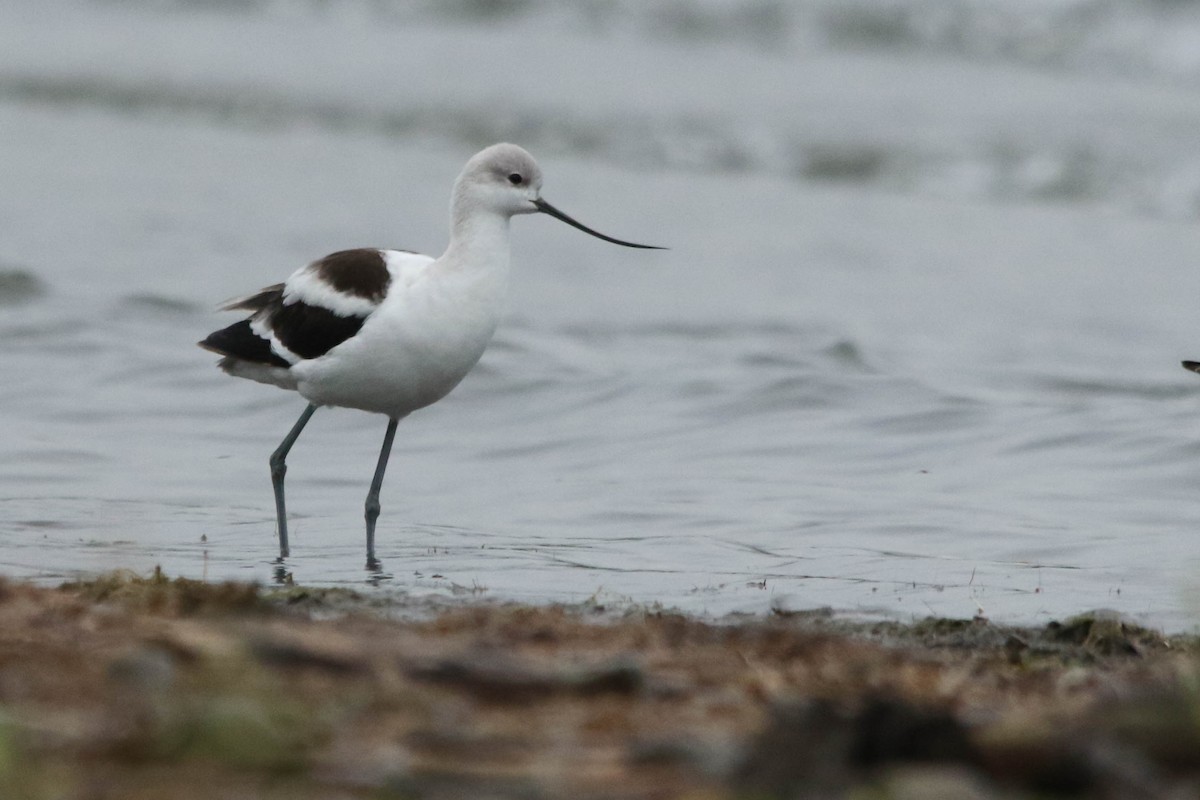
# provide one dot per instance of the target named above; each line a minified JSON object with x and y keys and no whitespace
{"x":19,"y":286}
{"x":931,"y":420}
{"x":161,"y":305}
{"x":1094,"y":386}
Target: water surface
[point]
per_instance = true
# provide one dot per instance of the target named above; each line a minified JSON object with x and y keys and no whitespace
{"x":914,"y":348}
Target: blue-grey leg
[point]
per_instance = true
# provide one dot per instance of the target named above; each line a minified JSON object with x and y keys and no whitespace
{"x":372,"y":508}
{"x":279,"y":469}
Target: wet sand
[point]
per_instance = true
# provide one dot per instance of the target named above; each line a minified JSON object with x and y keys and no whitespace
{"x":126,"y":687}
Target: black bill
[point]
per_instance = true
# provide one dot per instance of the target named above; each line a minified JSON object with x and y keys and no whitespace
{"x":546,"y":208}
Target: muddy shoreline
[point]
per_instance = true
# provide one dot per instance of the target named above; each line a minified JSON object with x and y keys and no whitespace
{"x":127,"y":687}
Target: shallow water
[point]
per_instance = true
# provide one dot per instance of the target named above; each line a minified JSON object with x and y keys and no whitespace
{"x":914,"y":348}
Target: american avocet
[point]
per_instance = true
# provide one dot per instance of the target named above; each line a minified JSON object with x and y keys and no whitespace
{"x":389,"y":331}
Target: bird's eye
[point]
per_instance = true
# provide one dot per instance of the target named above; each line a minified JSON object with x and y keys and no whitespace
{"x":515,"y":179}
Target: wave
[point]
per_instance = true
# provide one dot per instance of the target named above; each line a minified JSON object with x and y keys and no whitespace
{"x":1158,"y":36}
{"x":959,"y":165}
{"x":19,"y":286}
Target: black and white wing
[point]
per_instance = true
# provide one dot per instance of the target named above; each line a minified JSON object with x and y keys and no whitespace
{"x":315,"y":310}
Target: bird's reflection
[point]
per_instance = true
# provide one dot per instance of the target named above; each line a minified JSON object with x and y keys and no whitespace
{"x":375,"y":573}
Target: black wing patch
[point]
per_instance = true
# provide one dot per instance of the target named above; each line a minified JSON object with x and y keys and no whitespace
{"x":239,"y":341}
{"x":310,"y":331}
{"x":305,"y":329}
{"x":359,"y":273}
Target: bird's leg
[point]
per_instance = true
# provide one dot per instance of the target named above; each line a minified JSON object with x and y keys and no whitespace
{"x":279,"y":469}
{"x":372,"y":507}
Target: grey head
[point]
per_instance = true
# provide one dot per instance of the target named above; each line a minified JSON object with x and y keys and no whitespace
{"x":505,"y":179}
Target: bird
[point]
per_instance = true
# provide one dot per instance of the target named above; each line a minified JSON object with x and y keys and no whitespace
{"x":1194,"y":366}
{"x":389,"y":331}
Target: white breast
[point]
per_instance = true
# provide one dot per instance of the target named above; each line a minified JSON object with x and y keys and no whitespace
{"x":420,"y":342}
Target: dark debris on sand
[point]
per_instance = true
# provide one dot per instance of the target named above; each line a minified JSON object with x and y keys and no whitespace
{"x":123,"y":687}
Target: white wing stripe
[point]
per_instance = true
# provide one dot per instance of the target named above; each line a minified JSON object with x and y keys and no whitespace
{"x":308,"y":287}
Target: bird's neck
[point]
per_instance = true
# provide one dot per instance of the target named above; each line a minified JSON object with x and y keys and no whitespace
{"x":478,"y":241}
